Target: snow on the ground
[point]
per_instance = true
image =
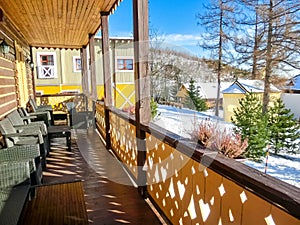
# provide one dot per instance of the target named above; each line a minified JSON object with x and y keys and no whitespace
{"x":183,"y":121}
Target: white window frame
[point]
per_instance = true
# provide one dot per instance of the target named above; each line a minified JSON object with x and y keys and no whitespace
{"x":75,"y":68}
{"x":124,"y":58}
{"x":51,"y":70}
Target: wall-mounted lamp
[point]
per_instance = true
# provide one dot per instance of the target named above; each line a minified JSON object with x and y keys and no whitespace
{"x":4,"y":47}
{"x":31,"y":64}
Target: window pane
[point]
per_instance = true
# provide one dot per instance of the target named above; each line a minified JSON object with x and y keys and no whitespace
{"x":78,"y":64}
{"x":129,"y":64}
{"x":47,"y":60}
{"x":120,"y":64}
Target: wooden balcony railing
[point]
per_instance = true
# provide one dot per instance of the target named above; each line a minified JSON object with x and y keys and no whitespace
{"x":58,"y":101}
{"x":190,"y":185}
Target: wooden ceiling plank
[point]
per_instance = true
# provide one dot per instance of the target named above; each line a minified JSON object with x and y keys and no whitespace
{"x":55,"y":16}
{"x":49,"y":18}
{"x":84,"y":24}
{"x":56,"y":23}
{"x":15,"y":11}
{"x":64,"y":24}
{"x":102,"y":6}
{"x":76,"y":17}
{"x":31,"y":16}
{"x":45,"y":24}
{"x":72,"y":19}
{"x":73,"y":13}
{"x":109,"y":5}
{"x":59,"y":20}
{"x":34,"y":31}
{"x":67,"y":21}
{"x":80,"y":20}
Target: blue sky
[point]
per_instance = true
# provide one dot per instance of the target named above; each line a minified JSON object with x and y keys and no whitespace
{"x":174,"y":20}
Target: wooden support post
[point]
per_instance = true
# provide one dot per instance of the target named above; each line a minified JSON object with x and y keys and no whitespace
{"x":84,"y":74}
{"x":93,"y":66}
{"x":32,"y":74}
{"x":83,"y":56}
{"x":107,"y":74}
{"x":94,"y":93}
{"x":142,"y":85}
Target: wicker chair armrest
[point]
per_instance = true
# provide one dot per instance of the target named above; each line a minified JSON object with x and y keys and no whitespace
{"x":13,"y":173}
{"x":32,"y":127}
{"x":27,"y":133}
{"x":19,"y":153}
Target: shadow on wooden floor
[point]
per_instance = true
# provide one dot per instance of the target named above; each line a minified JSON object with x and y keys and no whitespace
{"x":109,"y":195}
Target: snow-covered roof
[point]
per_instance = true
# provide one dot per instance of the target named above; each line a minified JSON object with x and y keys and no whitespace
{"x":243,"y":86}
{"x":209,"y":90}
{"x":293,"y":83}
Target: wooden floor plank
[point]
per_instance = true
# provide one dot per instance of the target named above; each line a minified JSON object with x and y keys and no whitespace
{"x":110,"y":198}
{"x":57,"y":204}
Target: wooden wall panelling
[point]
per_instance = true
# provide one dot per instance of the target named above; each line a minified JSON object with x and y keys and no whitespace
{"x":8,"y":87}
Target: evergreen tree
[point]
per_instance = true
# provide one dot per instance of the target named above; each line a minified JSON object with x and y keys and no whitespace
{"x":194,"y":100}
{"x":283,"y":128}
{"x":154,"y":108}
{"x":251,"y":123}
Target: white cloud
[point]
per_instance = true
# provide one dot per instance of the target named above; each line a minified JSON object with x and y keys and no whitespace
{"x":180,"y":42}
{"x":181,"y":39}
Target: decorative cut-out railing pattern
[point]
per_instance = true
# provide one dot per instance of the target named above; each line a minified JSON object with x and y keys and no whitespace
{"x":190,"y":185}
{"x":59,"y":101}
{"x":100,"y":118}
{"x":190,"y":193}
{"x":123,"y":141}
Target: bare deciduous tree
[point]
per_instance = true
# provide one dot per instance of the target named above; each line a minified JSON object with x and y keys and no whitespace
{"x":219,"y":23}
{"x":273,"y":46}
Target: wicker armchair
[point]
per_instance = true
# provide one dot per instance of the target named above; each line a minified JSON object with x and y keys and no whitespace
{"x":27,"y":153}
{"x":37,"y":108}
{"x":24,"y":137}
{"x":22,"y":123}
{"x":18,"y":123}
{"x":42,"y":108}
{"x":14,"y":190}
{"x":36,"y":116}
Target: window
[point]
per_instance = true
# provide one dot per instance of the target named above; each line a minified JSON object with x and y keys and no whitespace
{"x":76,"y":64}
{"x":46,"y":62}
{"x":125,"y":64}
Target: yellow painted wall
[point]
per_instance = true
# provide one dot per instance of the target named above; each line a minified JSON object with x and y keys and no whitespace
{"x":125,"y":91}
{"x":54,"y":89}
{"x":231,"y":101}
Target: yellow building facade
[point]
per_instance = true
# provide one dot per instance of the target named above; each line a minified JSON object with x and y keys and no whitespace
{"x":237,"y":91}
{"x":59,"y":71}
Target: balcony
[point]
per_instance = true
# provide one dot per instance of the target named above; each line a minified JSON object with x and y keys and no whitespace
{"x":124,"y":166}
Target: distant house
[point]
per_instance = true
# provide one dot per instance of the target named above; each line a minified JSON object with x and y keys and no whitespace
{"x":291,"y":95}
{"x":59,"y":70}
{"x":237,"y":91}
{"x":207,"y":91}
{"x":293,"y":85}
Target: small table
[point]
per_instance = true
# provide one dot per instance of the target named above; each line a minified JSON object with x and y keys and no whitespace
{"x":60,"y":118}
{"x":60,"y":131}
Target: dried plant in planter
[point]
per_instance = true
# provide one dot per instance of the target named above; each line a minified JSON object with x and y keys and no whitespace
{"x":209,"y":135}
{"x":204,"y":133}
{"x":231,"y":145}
{"x":129,"y":109}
